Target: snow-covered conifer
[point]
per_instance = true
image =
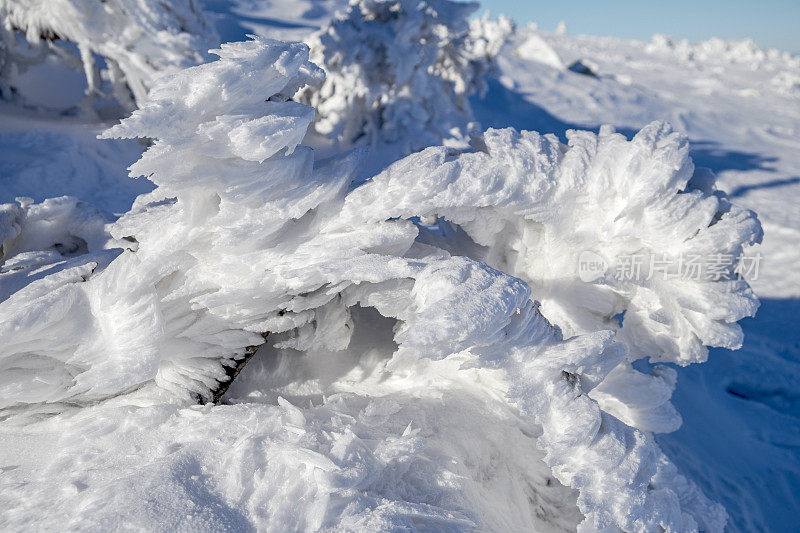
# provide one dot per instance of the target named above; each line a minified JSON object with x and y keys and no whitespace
{"x":486,"y":39}
{"x":401,"y":71}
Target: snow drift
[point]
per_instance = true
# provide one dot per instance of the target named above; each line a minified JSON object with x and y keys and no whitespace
{"x":429,"y":279}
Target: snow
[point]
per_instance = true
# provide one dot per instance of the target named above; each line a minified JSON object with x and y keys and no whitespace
{"x":124,"y":44}
{"x":43,"y":157}
{"x":404,"y":377}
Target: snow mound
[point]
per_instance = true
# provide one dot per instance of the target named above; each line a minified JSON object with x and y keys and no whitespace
{"x":401,"y":71}
{"x":535,"y":48}
{"x":122,"y":46}
{"x":403,"y":460}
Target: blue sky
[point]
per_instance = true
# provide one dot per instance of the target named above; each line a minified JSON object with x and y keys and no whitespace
{"x":770,"y":23}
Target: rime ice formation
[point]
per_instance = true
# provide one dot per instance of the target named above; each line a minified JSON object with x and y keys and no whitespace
{"x":158,"y":313}
{"x":122,"y":45}
{"x":256,"y":244}
{"x":401,"y":71}
{"x":246,"y":237}
{"x":532,"y":207}
{"x":45,"y":250}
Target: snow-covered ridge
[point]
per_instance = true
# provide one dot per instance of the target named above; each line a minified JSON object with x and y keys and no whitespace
{"x":721,"y":50}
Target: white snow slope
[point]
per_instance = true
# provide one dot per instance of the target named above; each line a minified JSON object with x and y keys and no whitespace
{"x":371,"y":459}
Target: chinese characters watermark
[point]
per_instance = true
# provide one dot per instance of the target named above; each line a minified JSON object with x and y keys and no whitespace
{"x":692,"y":267}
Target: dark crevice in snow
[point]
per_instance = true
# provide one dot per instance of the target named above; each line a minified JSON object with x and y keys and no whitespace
{"x":233,"y":371}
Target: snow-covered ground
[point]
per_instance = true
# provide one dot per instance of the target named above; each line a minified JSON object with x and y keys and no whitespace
{"x":188,"y":468}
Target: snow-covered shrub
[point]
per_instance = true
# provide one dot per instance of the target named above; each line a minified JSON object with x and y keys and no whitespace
{"x":536,"y":209}
{"x":246,"y":236}
{"x":122,"y":46}
{"x":401,"y":71}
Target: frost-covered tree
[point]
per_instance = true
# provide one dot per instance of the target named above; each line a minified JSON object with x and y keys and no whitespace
{"x":401,"y":71}
{"x":122,"y":46}
{"x":247,"y":236}
{"x":487,"y":37}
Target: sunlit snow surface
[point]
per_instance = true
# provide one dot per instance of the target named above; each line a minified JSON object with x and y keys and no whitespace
{"x":190,"y":468}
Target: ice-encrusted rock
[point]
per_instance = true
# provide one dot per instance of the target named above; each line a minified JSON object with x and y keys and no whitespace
{"x":137,"y":40}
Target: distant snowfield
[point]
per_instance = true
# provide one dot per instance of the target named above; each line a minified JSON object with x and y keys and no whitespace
{"x":740,"y":439}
